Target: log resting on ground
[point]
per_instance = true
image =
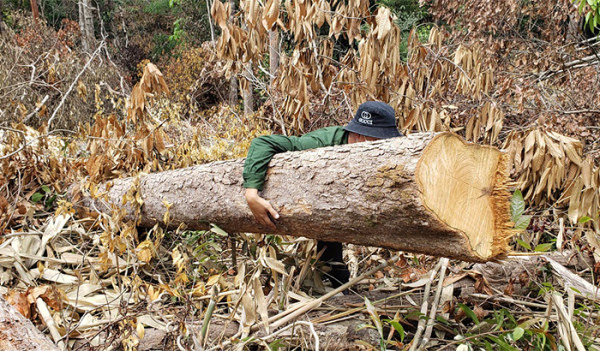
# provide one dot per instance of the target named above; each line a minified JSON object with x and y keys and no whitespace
{"x":17,"y":333}
{"x":424,"y":193}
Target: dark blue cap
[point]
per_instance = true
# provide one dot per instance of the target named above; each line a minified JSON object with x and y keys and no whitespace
{"x":374,"y":119}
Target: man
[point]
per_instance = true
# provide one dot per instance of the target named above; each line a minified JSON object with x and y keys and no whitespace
{"x":373,"y":120}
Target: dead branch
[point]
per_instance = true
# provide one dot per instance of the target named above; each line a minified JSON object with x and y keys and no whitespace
{"x":36,"y":110}
{"x":62,"y":101}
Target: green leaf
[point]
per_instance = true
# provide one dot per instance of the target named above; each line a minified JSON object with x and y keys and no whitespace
{"x":584,"y":219}
{"x":217,"y":230}
{"x":524,"y":244}
{"x":36,"y":197}
{"x":45,"y":189}
{"x":522,"y":222}
{"x":442,"y":320}
{"x":469,"y":312}
{"x":575,"y":289}
{"x":503,"y":344}
{"x":543,"y":247}
{"x":276,"y":344}
{"x":518,"y":333}
{"x":398,"y":327}
{"x":517,"y":205}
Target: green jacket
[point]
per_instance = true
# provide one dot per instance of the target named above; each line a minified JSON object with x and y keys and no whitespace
{"x":265,"y":147}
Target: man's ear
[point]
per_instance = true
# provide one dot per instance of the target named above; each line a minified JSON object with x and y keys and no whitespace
{"x":352,"y":137}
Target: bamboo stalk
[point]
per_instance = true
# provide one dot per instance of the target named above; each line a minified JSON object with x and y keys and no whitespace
{"x":569,"y":328}
{"x":424,"y":308}
{"x":49,"y":321}
{"x":444,"y":262}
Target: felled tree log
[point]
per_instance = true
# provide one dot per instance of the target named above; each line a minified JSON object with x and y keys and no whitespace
{"x":424,"y":193}
{"x":17,"y":333}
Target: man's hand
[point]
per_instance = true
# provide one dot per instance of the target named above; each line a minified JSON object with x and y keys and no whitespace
{"x":261,"y":208}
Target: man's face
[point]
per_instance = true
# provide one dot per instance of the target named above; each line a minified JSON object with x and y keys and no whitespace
{"x":357,"y":138}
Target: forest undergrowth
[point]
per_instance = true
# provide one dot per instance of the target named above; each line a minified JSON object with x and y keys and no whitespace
{"x":514,"y":75}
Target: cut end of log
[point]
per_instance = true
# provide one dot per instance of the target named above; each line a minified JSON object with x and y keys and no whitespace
{"x":466,"y":187}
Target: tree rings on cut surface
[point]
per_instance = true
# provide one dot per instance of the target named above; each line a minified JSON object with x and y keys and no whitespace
{"x":465,"y":185}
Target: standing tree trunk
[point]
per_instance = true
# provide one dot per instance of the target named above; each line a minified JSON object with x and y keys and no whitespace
{"x":86,"y":25}
{"x":233,"y":91}
{"x":422,"y":193}
{"x":34,"y":10}
{"x":17,"y":333}
{"x":212,"y":28}
{"x":233,"y":83}
{"x":247,"y":85}
{"x":1,"y":16}
{"x":273,"y":53}
{"x":247,"y":90}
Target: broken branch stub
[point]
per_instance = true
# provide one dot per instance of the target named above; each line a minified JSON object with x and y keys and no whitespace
{"x":424,"y":193}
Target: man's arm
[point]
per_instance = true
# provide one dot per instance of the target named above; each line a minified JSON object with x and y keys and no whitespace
{"x":262,"y":150}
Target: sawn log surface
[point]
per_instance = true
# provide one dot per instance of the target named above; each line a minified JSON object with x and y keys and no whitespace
{"x":363,"y":193}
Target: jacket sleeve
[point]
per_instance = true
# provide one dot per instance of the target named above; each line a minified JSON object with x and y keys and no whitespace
{"x":263,"y":148}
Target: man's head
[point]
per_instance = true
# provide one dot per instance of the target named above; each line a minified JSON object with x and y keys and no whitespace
{"x":373,"y":120}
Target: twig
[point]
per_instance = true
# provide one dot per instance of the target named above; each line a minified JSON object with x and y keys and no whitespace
{"x":508,"y":300}
{"x":62,"y":101}
{"x":434,"y":306}
{"x":583,"y":62}
{"x":36,"y":109}
{"x":339,"y":316}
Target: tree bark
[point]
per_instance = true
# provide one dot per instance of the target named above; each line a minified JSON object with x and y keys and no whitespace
{"x":424,"y":193}
{"x":233,"y":82}
{"x":1,"y":16}
{"x":17,"y":333}
{"x":247,"y":90}
{"x":273,"y":53}
{"x":34,"y":10}
{"x":86,"y":25}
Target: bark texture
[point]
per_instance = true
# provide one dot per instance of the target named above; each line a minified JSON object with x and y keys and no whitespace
{"x":364,"y":193}
{"x":34,"y":10}
{"x":273,"y":53}
{"x":86,"y":25}
{"x":17,"y":333}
